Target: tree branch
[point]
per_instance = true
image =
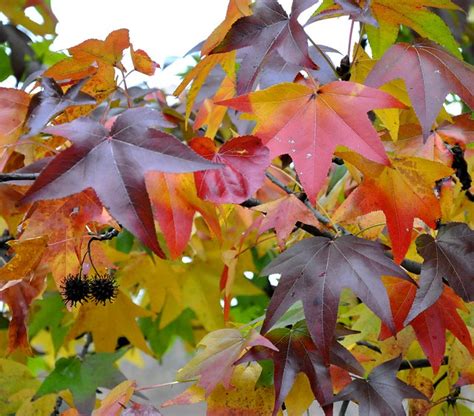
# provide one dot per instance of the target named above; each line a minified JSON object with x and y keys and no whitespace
{"x":8,"y":177}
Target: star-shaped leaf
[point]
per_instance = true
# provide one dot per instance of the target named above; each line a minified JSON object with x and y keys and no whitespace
{"x":282,"y":215}
{"x":220,"y":349}
{"x":52,"y":101}
{"x":83,"y":377}
{"x":107,"y":323}
{"x":295,"y":353}
{"x":382,"y":393}
{"x":316,"y":270}
{"x":430,"y":73}
{"x":430,"y":325}
{"x":114,"y":164}
{"x":308,"y":123}
{"x":245,"y":160}
{"x":403,"y":190}
{"x":267,"y":31}
{"x":450,"y":257}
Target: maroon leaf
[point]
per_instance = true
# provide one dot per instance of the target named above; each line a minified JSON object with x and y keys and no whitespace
{"x":268,"y":31}
{"x":245,"y":160}
{"x":382,"y":393}
{"x":114,"y":164}
{"x":430,"y":73}
{"x":297,"y":353}
{"x":316,"y":270}
{"x":52,"y":101}
{"x":451,"y":257}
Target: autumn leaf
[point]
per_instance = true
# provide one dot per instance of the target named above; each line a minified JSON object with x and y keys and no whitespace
{"x":116,"y":319}
{"x":308,"y":123}
{"x":28,"y":255}
{"x":403,"y":190}
{"x":16,"y":382}
{"x":15,"y":11}
{"x":175,"y":202}
{"x":430,"y":325}
{"x":83,"y":377}
{"x":142,"y":62}
{"x":282,"y":214}
{"x":430,"y":73}
{"x":414,"y":14}
{"x":114,"y":164}
{"x":266,"y":32}
{"x":245,"y":160}
{"x":64,"y":222}
{"x":382,"y":392}
{"x":51,"y":101}
{"x":296,"y":352}
{"x":235,"y":10}
{"x":162,"y":280}
{"x":199,"y":74}
{"x":18,"y":295}
{"x":13,"y":112}
{"x":448,"y":257}
{"x":219,"y":350}
{"x":97,"y":60}
{"x":114,"y":403}
{"x":316,"y":270}
{"x":246,"y":398}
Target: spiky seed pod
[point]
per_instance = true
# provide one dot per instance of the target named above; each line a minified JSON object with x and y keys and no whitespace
{"x":75,"y":289}
{"x":103,"y":288}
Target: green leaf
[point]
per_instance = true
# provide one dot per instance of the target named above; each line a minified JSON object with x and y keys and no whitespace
{"x":83,"y":378}
{"x":50,"y":316}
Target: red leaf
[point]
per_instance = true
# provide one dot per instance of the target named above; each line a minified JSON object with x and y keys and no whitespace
{"x":430,"y":325}
{"x":245,"y":160}
{"x":308,"y":123}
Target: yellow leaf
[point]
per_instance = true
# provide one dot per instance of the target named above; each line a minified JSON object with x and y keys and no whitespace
{"x":109,"y":322}
{"x":17,"y":385}
{"x":162,"y":281}
{"x":43,"y":406}
{"x":199,"y":74}
{"x":300,"y":396}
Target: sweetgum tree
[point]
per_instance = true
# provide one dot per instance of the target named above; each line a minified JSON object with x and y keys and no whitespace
{"x":129,"y":222}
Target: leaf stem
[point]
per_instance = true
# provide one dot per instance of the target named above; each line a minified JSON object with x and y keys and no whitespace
{"x":326,"y":58}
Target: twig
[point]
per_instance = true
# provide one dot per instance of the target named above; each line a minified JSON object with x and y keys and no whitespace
{"x":369,"y":346}
{"x":7,"y":177}
{"x":344,"y":406}
{"x":419,"y":363}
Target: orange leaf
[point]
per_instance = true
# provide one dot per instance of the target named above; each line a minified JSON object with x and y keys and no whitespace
{"x":404,"y":190}
{"x":142,"y":62}
{"x":175,"y":202}
{"x":28,"y":254}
